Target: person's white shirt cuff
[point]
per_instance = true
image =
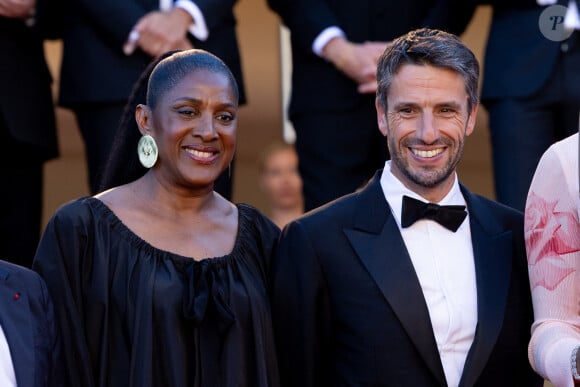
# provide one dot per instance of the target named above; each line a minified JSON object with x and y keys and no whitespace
{"x":324,"y":37}
{"x":557,"y":366}
{"x":199,"y":27}
{"x":572,"y":19}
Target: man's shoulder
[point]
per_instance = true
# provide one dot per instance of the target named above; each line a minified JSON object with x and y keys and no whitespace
{"x":335,"y":211}
{"x":489,"y":210}
{"x":18,"y":273}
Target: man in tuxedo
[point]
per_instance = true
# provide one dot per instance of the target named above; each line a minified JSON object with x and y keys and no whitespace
{"x":412,"y":280}
{"x":530,"y":89}
{"x":29,"y":345}
{"x":107,"y":45}
{"x":335,"y":46}
{"x":27,"y":131}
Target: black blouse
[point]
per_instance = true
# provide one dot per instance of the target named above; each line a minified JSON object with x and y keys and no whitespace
{"x":134,"y":315}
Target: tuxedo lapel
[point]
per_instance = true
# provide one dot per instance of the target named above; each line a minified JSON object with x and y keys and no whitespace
{"x":15,"y":317}
{"x":379,"y":245}
{"x":492,"y":250}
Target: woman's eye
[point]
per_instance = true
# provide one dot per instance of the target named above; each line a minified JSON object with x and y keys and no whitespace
{"x":188,"y":112}
{"x":225,"y":117}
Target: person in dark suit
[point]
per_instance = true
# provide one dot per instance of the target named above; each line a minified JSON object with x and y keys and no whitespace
{"x":29,"y":343}
{"x":102,"y":58}
{"x":335,"y":45}
{"x":366,"y":292}
{"x":27,"y":131}
{"x":530,"y":90}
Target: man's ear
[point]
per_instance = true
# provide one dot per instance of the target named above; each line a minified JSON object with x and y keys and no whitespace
{"x":381,"y":117}
{"x":471,"y":120}
{"x":143,"y":118}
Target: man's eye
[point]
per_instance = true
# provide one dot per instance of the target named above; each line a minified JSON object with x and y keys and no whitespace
{"x":447,"y":111}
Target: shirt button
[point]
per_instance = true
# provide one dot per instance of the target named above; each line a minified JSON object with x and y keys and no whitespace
{"x":564,"y":47}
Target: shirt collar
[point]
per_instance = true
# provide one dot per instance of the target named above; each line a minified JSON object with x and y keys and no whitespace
{"x":394,"y":189}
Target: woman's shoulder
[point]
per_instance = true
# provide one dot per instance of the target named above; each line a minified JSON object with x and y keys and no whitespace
{"x":76,"y":208}
{"x":79,"y":213}
{"x":256,"y":219}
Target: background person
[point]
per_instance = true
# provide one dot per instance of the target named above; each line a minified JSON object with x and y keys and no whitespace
{"x":27,"y":131}
{"x":280,"y":181}
{"x":99,"y":67}
{"x":530,"y":90}
{"x":335,"y":47}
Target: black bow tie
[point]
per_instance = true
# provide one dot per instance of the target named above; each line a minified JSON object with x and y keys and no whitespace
{"x":449,"y":217}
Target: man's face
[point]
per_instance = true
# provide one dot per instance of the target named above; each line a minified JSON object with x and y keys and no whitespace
{"x":426,"y":122}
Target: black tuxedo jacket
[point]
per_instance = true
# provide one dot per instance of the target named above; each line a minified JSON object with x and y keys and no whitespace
{"x":316,"y":84}
{"x":26,"y":105}
{"x":27,"y":319}
{"x":94,"y":67}
{"x":518,"y":58}
{"x":348,"y":308}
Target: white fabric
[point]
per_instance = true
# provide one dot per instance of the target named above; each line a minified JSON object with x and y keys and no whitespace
{"x":443,"y":261}
{"x":324,"y":37}
{"x":165,"y":5}
{"x":572,"y":19}
{"x":199,"y":27}
{"x":7,"y":375}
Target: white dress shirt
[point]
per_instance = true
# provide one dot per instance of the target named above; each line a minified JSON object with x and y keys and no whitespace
{"x":199,"y":27}
{"x":7,"y":375}
{"x":443,"y":261}
{"x":324,"y":37}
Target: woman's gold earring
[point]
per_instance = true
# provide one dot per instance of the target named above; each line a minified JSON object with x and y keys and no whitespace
{"x":147,"y":151}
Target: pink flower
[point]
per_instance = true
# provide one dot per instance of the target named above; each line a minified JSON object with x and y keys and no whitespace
{"x":549,"y":235}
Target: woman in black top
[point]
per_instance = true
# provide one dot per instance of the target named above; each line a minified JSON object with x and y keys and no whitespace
{"x":160,"y":281}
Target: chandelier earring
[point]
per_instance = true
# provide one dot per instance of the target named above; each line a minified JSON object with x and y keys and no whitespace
{"x":147,"y":150}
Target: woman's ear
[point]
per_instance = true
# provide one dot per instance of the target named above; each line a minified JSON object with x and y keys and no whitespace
{"x":143,"y":118}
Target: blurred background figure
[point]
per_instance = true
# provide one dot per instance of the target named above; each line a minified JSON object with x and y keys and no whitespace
{"x":280,"y":181}
{"x":335,"y":47}
{"x":106,"y":46}
{"x":531,"y":88}
{"x":27,"y":130}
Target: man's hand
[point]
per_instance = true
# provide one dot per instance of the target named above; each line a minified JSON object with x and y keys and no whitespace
{"x":18,"y":9}
{"x":159,"y":32}
{"x":357,"y":61}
